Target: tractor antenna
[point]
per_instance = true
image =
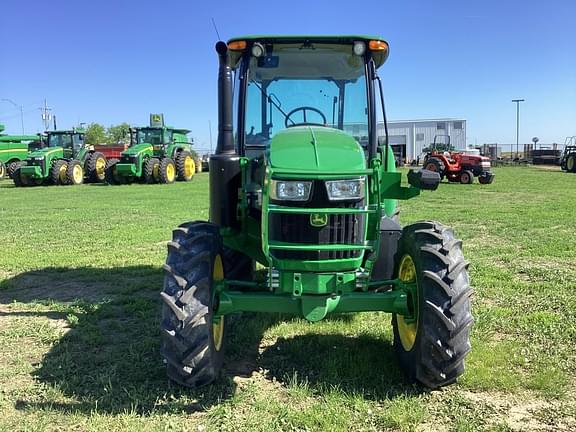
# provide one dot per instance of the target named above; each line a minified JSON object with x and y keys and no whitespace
{"x":215,"y":28}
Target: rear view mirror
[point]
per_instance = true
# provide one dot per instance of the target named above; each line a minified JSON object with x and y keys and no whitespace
{"x":424,"y":179}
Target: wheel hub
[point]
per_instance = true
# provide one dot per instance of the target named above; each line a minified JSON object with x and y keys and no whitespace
{"x":408,"y":328}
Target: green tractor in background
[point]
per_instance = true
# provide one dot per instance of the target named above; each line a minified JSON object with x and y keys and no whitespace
{"x":157,"y":154}
{"x":292,"y":191}
{"x":66,"y":160}
{"x":13,"y":151}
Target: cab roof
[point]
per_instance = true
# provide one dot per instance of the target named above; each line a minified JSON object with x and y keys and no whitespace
{"x":379,"y":57}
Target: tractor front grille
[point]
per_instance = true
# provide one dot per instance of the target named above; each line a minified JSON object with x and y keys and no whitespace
{"x":297,"y":229}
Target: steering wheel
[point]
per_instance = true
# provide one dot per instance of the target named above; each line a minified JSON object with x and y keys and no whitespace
{"x":304,"y":109}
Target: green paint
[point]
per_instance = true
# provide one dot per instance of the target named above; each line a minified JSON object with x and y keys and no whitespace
{"x":313,"y":288}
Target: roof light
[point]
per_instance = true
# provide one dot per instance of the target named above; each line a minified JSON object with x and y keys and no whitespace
{"x":377,"y":45}
{"x":257,"y":50}
{"x":238,"y":45}
{"x":359,"y":48}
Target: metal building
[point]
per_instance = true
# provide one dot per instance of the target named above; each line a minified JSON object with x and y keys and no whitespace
{"x":409,"y":137}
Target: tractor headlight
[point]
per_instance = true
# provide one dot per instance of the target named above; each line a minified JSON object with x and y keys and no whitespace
{"x":290,"y":190}
{"x":339,"y":190}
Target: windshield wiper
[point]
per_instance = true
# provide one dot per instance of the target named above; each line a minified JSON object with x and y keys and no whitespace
{"x":271,"y":101}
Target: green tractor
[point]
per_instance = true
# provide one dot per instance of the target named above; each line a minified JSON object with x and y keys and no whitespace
{"x":157,"y":154}
{"x":293,"y":192}
{"x":13,"y":151}
{"x":66,"y":160}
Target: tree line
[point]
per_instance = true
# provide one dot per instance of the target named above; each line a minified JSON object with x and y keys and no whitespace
{"x":97,"y":134}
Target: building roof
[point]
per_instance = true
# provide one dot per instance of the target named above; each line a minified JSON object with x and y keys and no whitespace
{"x":427,"y":120}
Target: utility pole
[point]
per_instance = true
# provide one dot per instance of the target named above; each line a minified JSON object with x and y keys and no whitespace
{"x":517,"y":101}
{"x":46,"y":115}
{"x":21,"y":111}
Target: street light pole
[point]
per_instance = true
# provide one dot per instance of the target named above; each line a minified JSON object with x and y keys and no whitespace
{"x":517,"y":121}
{"x":21,"y":112}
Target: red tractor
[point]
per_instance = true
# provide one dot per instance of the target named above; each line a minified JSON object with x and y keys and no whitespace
{"x":457,"y":165}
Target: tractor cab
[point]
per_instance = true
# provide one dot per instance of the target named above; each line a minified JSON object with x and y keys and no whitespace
{"x":72,"y":142}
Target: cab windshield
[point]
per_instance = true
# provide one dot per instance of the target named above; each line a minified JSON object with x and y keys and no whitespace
{"x":153,"y":136}
{"x":304,"y":84}
{"x":67,"y":141}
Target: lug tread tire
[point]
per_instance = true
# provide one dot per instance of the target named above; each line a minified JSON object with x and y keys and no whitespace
{"x":466,"y":177}
{"x":187,"y":342}
{"x":55,"y":171}
{"x":70,"y":172}
{"x":18,"y":180}
{"x":443,"y":334}
{"x":438,"y":165}
{"x":180,"y":165}
{"x":90,"y":167}
{"x":149,"y":167}
{"x":12,"y":167}
{"x":163,"y":174}
{"x":111,"y":177}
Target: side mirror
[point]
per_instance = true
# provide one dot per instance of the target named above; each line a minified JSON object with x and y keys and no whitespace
{"x":424,"y":179}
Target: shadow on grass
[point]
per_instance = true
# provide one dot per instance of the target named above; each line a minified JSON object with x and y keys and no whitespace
{"x":108,"y":358}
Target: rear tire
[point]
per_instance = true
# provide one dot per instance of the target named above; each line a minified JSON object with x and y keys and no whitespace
{"x":466,"y":177}
{"x":74,"y":173}
{"x":185,"y":166}
{"x":436,"y":165}
{"x":167,"y":172}
{"x":192,"y":343}
{"x":96,"y":167}
{"x":433,"y":349}
{"x":152,"y":170}
{"x":58,"y":172}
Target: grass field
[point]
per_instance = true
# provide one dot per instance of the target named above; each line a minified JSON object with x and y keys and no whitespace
{"x":79,"y":321}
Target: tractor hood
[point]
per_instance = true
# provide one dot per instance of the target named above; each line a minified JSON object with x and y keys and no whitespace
{"x":137,"y":149}
{"x":315,"y":148}
{"x":54,"y":152}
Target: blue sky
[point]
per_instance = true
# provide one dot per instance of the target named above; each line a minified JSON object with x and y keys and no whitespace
{"x":110,"y":61}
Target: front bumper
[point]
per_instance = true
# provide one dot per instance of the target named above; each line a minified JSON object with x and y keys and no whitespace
{"x":31,"y":171}
{"x":126,"y":169}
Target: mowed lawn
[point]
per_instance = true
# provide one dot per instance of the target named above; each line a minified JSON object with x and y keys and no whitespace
{"x":80,"y":273}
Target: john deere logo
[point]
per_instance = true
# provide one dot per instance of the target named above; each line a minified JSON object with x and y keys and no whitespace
{"x":156,"y":118}
{"x":318,"y":219}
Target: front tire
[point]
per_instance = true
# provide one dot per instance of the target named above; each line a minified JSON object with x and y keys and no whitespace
{"x":152,"y":170}
{"x":167,"y":173}
{"x":192,"y":338}
{"x":571,"y":163}
{"x":96,"y":167}
{"x":12,"y":167}
{"x":185,"y":166}
{"x":432,"y":348}
{"x":466,"y":177}
{"x":112,"y":176}
{"x":74,"y":173}
{"x":58,"y":172}
{"x":2,"y":170}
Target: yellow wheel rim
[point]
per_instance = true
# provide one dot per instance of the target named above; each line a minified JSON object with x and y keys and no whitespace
{"x":77,"y":174}
{"x":189,"y":167}
{"x":62,"y":173}
{"x":407,"y":331}
{"x":218,"y":327}
{"x":156,"y":171}
{"x":100,"y":167}
{"x":570,"y":163}
{"x":2,"y":171}
{"x":170,"y":172}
